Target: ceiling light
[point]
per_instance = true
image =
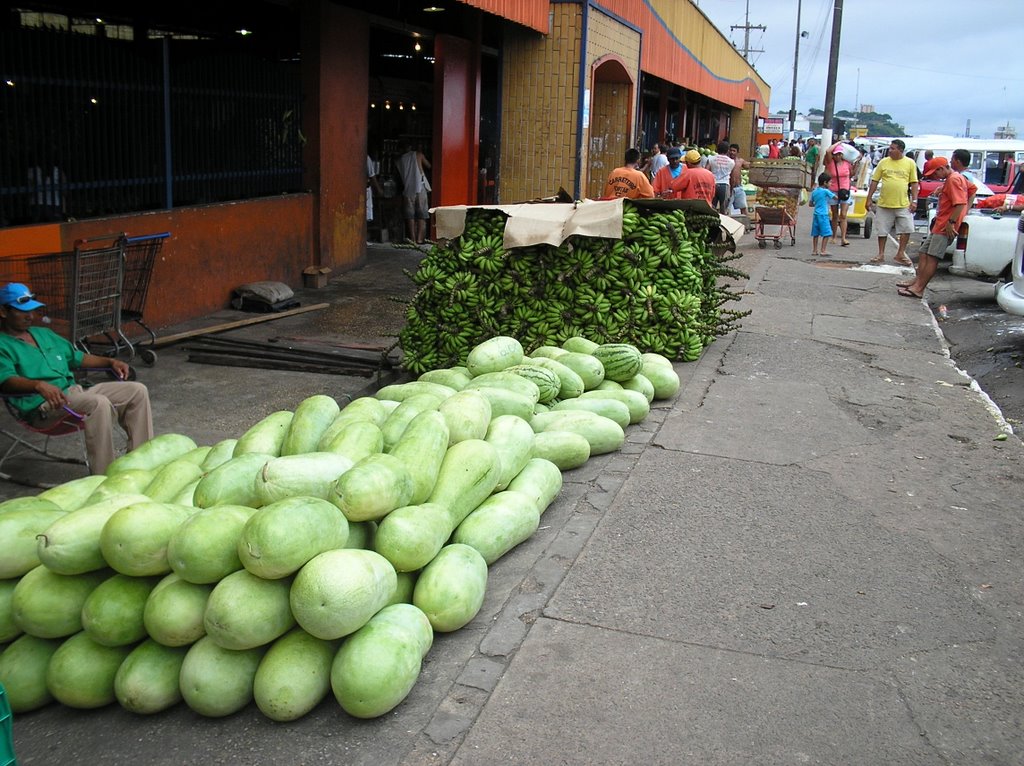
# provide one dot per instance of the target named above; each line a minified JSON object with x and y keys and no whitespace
{"x":433,"y":9}
{"x":244,"y":32}
{"x":417,"y":47}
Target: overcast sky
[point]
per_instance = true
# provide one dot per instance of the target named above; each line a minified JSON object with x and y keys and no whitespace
{"x":930,"y":64}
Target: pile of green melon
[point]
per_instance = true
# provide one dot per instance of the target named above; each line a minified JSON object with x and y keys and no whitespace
{"x":319,"y":552}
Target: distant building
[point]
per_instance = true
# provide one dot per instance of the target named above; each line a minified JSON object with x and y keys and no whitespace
{"x":867,"y":108}
{"x":1005,"y":131}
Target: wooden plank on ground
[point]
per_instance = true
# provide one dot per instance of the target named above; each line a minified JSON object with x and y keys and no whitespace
{"x":166,"y":340}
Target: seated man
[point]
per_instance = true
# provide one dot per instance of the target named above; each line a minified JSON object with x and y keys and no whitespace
{"x":38,"y":362}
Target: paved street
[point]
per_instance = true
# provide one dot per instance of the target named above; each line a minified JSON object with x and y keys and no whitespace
{"x":810,"y":555}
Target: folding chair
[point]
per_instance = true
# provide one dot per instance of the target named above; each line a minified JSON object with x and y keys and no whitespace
{"x":70,"y":423}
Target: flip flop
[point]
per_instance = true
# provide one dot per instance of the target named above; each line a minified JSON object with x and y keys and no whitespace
{"x":844,"y":244}
{"x":904,"y":261}
{"x":903,"y":284}
{"x":877,"y":260}
{"x":908,"y":293}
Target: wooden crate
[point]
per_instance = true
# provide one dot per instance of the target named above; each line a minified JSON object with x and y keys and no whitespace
{"x":785,"y":173}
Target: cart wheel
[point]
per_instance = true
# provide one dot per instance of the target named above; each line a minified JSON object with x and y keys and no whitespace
{"x":762,"y":244}
{"x":778,"y":244}
{"x":866,"y":227}
{"x":148,"y":356}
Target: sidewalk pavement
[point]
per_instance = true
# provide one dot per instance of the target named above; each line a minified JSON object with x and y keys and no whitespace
{"x":810,"y":555}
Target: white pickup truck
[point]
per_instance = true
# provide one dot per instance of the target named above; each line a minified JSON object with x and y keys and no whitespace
{"x":987,"y":250}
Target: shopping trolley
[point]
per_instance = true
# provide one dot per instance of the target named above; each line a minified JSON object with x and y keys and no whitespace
{"x":139,"y":256}
{"x":81,"y":288}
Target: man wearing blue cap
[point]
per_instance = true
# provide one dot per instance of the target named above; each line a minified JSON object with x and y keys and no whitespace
{"x":36,"y":368}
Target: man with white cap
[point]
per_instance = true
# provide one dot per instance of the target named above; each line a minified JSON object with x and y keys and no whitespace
{"x":36,"y":371}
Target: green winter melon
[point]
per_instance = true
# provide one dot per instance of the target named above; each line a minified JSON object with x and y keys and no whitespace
{"x":279,"y":538}
{"x":112,"y":614}
{"x":49,"y":605}
{"x":134,"y":539}
{"x":71,"y":495}
{"x":19,"y":551}
{"x":147,"y":681}
{"x":450,"y":590}
{"x":204,"y":549}
{"x":153,"y":454}
{"x":310,"y":474}
{"x":586,"y":366}
{"x":265,"y":437}
{"x":376,"y":667}
{"x":245,"y":611}
{"x":566,"y":449}
{"x":494,"y":354}
{"x":23,"y":667}
{"x":9,"y":630}
{"x":81,"y":672}
{"x":309,"y":421}
{"x":216,"y":682}
{"x":71,"y":544}
{"x":294,"y":675}
{"x":335,"y":593}
{"x":467,"y":415}
{"x":174,"y":611}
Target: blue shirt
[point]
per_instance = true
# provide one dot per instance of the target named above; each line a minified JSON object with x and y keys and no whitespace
{"x":820,"y":198}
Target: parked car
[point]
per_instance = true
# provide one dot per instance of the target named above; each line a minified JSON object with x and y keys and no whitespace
{"x":987,"y":241}
{"x":1010,"y":295}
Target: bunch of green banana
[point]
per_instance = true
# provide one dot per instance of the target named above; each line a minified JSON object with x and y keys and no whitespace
{"x":658,"y":287}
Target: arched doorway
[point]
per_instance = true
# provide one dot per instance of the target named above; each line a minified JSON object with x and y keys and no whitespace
{"x":611,"y":121}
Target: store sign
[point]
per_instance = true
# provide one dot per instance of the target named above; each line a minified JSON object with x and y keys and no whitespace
{"x":772,"y":125}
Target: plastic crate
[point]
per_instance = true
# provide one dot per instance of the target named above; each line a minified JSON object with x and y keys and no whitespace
{"x":6,"y":731}
{"x":785,"y":173}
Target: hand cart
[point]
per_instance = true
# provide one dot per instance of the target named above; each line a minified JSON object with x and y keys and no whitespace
{"x":139,"y":256}
{"x":774,"y":223}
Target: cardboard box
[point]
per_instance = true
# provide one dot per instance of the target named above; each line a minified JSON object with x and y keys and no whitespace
{"x":315,"y":276}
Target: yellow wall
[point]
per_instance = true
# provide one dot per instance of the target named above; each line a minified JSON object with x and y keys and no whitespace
{"x":540,"y":108}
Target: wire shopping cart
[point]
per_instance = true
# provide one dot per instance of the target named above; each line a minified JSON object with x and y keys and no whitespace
{"x":97,"y":281}
{"x":139,"y":256}
{"x":81,"y":288}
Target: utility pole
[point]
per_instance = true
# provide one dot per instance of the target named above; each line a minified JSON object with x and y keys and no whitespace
{"x":833,"y":71}
{"x":796,"y":59}
{"x":746,"y":27}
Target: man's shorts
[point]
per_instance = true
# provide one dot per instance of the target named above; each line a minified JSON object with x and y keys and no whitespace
{"x":739,"y":198}
{"x":821,"y":226}
{"x":721,"y":195}
{"x":935,"y":245}
{"x":896,"y":220}
{"x":416,"y":206}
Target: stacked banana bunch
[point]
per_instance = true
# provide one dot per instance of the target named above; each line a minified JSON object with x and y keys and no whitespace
{"x":658,"y":288}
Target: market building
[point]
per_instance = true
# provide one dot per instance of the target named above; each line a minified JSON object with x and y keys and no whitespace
{"x":244,"y":128}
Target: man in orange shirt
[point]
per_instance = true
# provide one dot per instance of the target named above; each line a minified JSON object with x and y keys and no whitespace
{"x":696,"y":182}
{"x":953,"y":199}
{"x":667,"y":179}
{"x":628,"y":181}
